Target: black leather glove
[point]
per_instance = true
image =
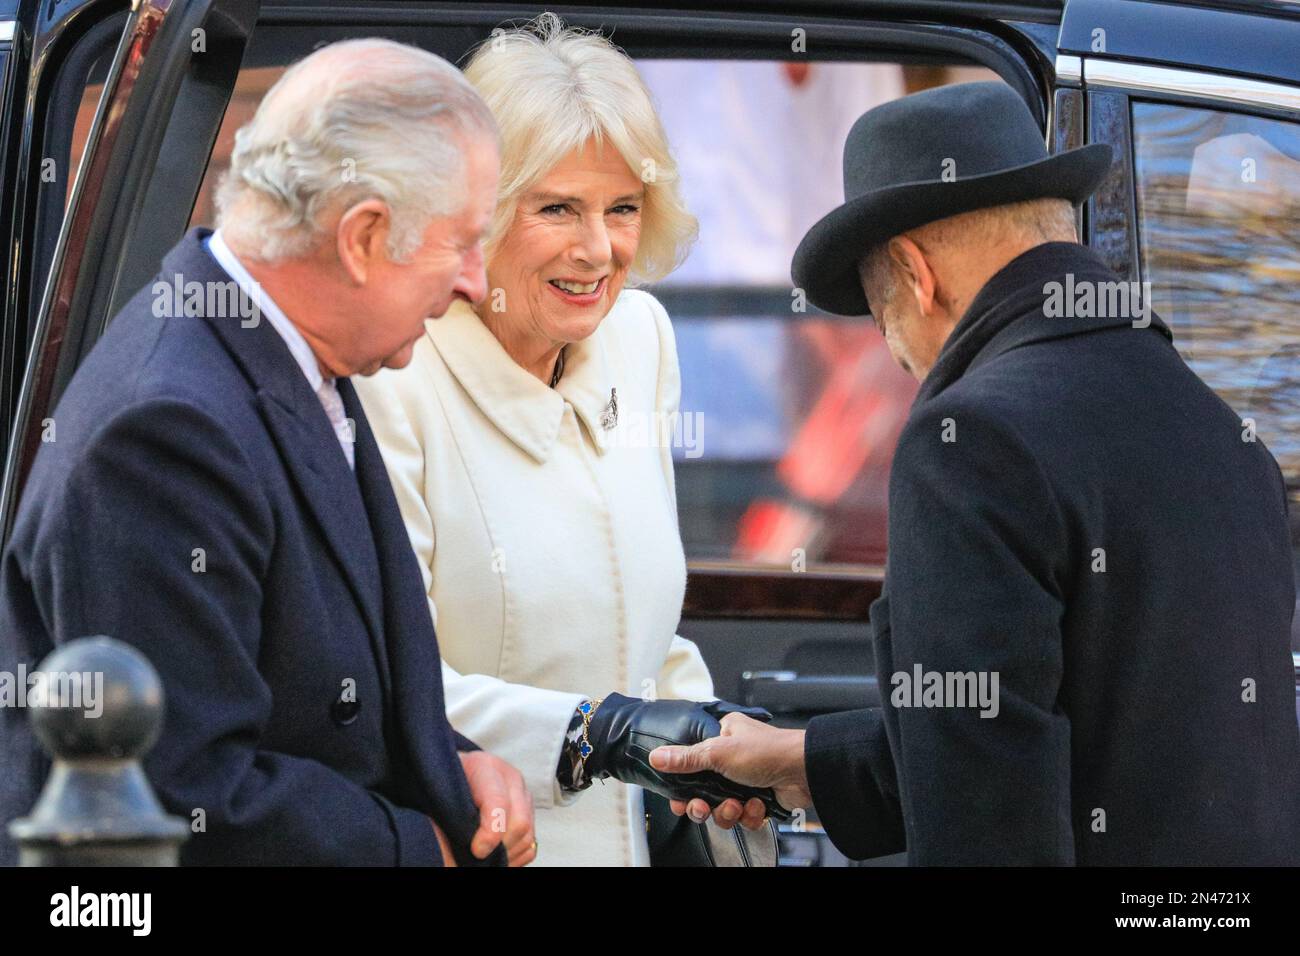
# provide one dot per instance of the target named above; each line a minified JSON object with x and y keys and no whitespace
{"x":625,"y":729}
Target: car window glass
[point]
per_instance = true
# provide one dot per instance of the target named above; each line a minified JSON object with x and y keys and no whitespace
{"x":789,"y":417}
{"x":795,"y":413}
{"x":1219,"y":231}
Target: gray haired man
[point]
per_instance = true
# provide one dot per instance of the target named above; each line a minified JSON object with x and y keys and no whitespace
{"x":216,"y":497}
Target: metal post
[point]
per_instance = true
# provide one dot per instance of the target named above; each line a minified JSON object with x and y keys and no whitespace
{"x":98,"y":710}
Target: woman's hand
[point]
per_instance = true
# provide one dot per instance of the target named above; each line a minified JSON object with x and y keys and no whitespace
{"x":624,"y":730}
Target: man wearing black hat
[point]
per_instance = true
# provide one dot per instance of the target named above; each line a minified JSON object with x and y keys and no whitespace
{"x":1083,"y":642}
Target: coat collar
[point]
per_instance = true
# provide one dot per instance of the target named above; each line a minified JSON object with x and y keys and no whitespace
{"x":301,"y":430}
{"x":1010,"y":311}
{"x":362,"y":525}
{"x":523,"y":408}
{"x":414,"y":685}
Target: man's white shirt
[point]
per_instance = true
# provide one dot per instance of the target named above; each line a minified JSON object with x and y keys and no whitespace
{"x":324,"y":388}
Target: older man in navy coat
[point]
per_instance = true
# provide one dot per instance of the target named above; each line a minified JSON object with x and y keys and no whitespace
{"x":1083,"y":644}
{"x":215,"y":497}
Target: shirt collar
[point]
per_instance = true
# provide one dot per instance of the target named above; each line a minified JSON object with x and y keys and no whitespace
{"x":523,"y":407}
{"x":298,"y":347}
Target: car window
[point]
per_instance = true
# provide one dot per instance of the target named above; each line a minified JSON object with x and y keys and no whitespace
{"x":796,"y":413}
{"x":1218,"y":198}
{"x":789,"y":417}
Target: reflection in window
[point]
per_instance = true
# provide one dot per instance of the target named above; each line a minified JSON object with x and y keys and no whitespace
{"x":800,"y":411}
{"x":800,"y":422}
{"x":798,"y":414}
{"x":1219,"y":224}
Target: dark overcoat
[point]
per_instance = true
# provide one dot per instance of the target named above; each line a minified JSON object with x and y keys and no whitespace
{"x":196,"y":503}
{"x":1073,"y":510}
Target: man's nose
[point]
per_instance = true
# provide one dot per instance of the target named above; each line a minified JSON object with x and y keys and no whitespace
{"x":472,"y":281}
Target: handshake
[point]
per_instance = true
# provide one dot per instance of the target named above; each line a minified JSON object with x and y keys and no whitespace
{"x":704,"y":757}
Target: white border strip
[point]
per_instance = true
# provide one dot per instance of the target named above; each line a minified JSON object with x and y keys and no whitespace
{"x":1214,"y":86}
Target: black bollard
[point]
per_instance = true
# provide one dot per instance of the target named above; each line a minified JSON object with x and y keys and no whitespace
{"x":100,"y":709}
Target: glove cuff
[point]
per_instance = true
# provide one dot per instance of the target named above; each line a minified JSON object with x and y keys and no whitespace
{"x":598,"y":733}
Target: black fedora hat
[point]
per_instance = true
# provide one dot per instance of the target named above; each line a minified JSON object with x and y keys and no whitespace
{"x":928,"y":156}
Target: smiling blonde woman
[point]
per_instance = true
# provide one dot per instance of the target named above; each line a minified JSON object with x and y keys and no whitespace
{"x":545,"y":524}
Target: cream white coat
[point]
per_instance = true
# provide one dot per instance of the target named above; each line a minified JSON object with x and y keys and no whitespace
{"x":549,"y":545}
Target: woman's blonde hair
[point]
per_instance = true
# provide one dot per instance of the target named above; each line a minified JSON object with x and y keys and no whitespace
{"x":552,"y":88}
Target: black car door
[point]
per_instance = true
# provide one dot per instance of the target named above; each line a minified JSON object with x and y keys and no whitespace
{"x":164,"y":92}
{"x":1202,"y":108}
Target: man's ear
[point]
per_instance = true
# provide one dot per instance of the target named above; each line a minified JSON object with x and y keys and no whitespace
{"x":909,"y":258}
{"x":362,"y":237}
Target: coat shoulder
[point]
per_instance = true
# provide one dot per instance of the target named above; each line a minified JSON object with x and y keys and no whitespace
{"x":963,"y":407}
{"x":639,"y":320}
{"x":639,"y":327}
{"x":979,"y":434}
{"x":1032,"y":392}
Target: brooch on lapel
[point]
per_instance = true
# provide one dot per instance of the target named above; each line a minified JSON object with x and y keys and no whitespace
{"x":609,"y":416}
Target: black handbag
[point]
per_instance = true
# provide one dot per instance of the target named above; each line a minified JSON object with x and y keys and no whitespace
{"x":680,"y":841}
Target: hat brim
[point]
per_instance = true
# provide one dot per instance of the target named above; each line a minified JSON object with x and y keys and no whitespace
{"x":825,"y":265}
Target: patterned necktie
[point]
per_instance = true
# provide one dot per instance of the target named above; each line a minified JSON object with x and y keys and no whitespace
{"x":332,"y":402}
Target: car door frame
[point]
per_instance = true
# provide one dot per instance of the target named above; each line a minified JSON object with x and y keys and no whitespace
{"x":102,"y":255}
{"x":1142,"y":68}
{"x":141,"y":162}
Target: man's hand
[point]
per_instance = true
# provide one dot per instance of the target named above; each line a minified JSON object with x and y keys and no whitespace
{"x":748,"y":752}
{"x":505,"y":808}
{"x":444,"y":845}
{"x":624,"y":729}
